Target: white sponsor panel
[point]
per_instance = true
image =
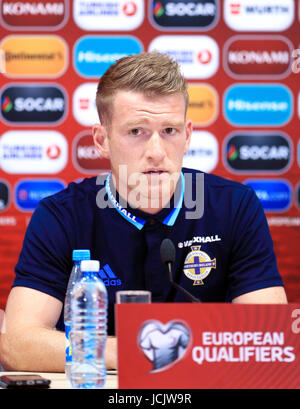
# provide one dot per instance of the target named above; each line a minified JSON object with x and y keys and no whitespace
{"x":203,"y":153}
{"x":198,"y":55}
{"x":259,"y":15}
{"x":37,"y":152}
{"x":84,"y":104}
{"x":113,"y":15}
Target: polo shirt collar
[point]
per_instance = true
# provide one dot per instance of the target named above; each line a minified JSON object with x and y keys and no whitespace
{"x":139,"y":222}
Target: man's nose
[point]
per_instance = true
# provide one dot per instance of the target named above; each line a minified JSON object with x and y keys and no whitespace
{"x":155,"y":150}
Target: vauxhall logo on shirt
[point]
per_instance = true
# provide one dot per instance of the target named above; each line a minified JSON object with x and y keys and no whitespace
{"x":184,"y":13}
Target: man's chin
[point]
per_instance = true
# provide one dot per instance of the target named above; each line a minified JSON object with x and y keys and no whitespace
{"x":155,"y":197}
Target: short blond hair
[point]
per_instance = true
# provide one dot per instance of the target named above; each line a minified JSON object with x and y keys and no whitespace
{"x":151,"y":73}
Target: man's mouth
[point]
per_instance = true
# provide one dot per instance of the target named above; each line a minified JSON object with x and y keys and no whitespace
{"x":154,"y":172}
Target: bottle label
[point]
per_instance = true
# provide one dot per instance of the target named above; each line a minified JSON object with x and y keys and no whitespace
{"x":68,"y":343}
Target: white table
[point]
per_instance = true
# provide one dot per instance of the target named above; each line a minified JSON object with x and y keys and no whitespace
{"x":59,"y":381}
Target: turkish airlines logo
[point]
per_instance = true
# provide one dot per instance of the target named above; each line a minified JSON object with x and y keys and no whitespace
{"x":33,"y":104}
{"x":259,"y":15}
{"x":36,"y":152}
{"x":111,"y":15}
{"x":34,"y":15}
{"x":201,"y":14}
{"x":129,"y":8}
{"x":258,"y":56}
{"x":86,"y":158}
{"x":197,"y":55}
{"x":257,"y":152}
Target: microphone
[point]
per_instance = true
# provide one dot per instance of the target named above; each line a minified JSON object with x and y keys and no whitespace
{"x":167,"y":254}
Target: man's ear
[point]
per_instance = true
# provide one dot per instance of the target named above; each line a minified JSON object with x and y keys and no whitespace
{"x":189,"y":130}
{"x":100,"y":138}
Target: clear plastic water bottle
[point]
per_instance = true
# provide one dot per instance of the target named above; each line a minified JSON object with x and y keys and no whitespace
{"x":88,"y":328}
{"x":77,"y":256}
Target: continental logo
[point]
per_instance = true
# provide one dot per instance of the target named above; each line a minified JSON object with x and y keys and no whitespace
{"x":34,"y":15}
{"x":258,"y":57}
{"x":39,"y":56}
{"x":203,"y":104}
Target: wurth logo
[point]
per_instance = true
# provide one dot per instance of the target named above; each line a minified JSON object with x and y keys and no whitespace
{"x":235,"y":8}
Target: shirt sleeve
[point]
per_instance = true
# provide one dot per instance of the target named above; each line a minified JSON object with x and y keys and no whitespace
{"x":252,"y":260}
{"x":45,"y":260}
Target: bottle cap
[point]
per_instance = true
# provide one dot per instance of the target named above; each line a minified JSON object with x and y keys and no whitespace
{"x":78,"y":255}
{"x":90,"y":265}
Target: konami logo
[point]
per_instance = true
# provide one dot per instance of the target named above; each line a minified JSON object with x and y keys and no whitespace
{"x":258,"y":56}
{"x":85,"y":155}
{"x":35,"y":15}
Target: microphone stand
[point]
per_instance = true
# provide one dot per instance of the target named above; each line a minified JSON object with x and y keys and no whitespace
{"x":188,"y":295}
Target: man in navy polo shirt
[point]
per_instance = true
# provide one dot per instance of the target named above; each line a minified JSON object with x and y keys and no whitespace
{"x":224,"y":251}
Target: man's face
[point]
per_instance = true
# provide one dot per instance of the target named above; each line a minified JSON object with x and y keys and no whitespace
{"x":145,"y":142}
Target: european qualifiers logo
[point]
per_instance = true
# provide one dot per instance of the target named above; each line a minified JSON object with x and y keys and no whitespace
{"x":258,"y":57}
{"x":29,"y":192}
{"x":298,"y":196}
{"x":34,"y":15}
{"x":4,"y":195}
{"x":184,"y":14}
{"x":164,"y":344}
{"x":257,"y":152}
{"x":33,"y":104}
{"x":275,"y":195}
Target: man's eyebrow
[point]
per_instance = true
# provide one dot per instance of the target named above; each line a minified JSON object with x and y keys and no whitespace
{"x":166,"y":124}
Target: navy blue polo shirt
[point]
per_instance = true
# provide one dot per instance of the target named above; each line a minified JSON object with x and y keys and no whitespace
{"x":221,"y":253}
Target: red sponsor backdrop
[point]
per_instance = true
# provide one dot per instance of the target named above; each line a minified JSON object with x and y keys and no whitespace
{"x":59,"y":21}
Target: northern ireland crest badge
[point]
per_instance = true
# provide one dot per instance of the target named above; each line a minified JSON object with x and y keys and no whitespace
{"x":198,"y":265}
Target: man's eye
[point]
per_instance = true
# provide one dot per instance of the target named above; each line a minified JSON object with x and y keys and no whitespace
{"x":170,"y":131}
{"x":135,"y":131}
